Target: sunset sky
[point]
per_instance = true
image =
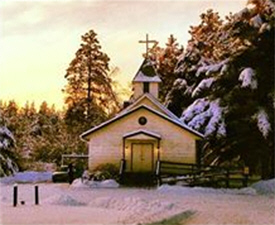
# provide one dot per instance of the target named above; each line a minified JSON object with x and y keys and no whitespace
{"x":38,"y":39}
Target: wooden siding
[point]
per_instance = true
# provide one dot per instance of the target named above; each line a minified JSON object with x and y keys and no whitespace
{"x":106,"y":144}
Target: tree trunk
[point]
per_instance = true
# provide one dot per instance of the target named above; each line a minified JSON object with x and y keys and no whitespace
{"x":89,"y":89}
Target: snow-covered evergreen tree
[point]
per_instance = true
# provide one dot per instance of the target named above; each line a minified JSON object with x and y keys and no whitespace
{"x":8,"y":165}
{"x":228,"y":86}
{"x":41,"y":135}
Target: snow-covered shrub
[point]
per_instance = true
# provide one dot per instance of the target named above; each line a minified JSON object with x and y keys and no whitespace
{"x":109,"y":183}
{"x":105,"y":171}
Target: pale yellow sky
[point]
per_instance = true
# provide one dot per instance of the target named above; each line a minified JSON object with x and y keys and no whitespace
{"x":38,"y":39}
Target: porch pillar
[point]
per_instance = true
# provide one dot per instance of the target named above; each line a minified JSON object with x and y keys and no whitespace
{"x":158,"y":149}
{"x":123,"y":149}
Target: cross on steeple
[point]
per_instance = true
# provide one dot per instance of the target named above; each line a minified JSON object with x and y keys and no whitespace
{"x":147,"y":42}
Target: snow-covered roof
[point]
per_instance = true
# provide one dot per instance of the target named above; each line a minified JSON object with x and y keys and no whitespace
{"x":142,"y":131}
{"x":142,"y":106}
{"x":146,"y":73}
{"x":154,"y":101}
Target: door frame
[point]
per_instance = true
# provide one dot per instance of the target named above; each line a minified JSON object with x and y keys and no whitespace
{"x":152,"y":153}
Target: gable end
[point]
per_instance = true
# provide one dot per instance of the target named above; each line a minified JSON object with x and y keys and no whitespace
{"x":175,"y":122}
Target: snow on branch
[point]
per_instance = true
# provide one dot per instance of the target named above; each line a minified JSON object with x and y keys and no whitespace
{"x":180,"y":84}
{"x":6,"y":138}
{"x":263,"y":122}
{"x":200,"y":120}
{"x":205,"y":116}
{"x":197,"y":107}
{"x":204,"y":84}
{"x":210,"y":69}
{"x":216,"y":123}
{"x":256,"y":21}
{"x":248,"y":78}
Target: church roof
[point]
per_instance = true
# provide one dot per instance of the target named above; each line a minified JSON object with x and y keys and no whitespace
{"x":158,"y":113}
{"x":153,"y":100}
{"x":146,"y":73}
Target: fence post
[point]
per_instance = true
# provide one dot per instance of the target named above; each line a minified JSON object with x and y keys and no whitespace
{"x":194,"y":177}
{"x":227,"y":178}
{"x":158,"y":175}
{"x":15,"y":195}
{"x":158,"y":168}
{"x":246,"y":174}
{"x":36,"y":195}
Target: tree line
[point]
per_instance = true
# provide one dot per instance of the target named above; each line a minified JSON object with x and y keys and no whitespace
{"x":44,"y":134}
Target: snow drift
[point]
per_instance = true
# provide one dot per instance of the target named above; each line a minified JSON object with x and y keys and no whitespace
{"x":202,"y":190}
{"x":27,"y":177}
{"x":265,"y":187}
{"x":64,"y":200}
{"x":95,"y":184}
{"x":262,"y":187}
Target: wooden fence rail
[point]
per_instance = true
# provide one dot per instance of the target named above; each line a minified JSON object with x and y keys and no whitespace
{"x":194,"y":174}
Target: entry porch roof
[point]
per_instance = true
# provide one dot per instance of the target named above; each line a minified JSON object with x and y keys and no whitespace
{"x":142,"y":131}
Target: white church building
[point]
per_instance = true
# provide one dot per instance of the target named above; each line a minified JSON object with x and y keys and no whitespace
{"x":143,"y":132}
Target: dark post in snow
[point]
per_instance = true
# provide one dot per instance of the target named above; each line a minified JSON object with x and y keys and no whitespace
{"x":227,"y":178}
{"x":15,"y":195}
{"x":246,"y":174}
{"x":36,"y":195}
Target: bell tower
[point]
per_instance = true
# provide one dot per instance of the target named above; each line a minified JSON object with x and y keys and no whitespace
{"x":146,"y":80}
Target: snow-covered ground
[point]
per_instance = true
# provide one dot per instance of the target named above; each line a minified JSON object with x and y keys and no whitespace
{"x":88,"y":204}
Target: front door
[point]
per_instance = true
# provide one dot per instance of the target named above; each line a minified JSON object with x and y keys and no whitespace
{"x":142,"y":157}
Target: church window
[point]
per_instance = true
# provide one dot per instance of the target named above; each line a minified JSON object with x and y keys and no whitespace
{"x":146,"y":88}
{"x":142,"y":120}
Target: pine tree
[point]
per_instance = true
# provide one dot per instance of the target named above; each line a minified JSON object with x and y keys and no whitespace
{"x":10,"y":112}
{"x":206,"y":36}
{"x":233,"y":91}
{"x":49,"y":135}
{"x":165,"y":60}
{"x":89,"y":94}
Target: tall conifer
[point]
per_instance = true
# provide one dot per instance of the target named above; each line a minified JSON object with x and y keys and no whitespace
{"x":89,"y":94}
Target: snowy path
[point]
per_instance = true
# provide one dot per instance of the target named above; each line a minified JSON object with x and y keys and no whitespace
{"x":61,"y":204}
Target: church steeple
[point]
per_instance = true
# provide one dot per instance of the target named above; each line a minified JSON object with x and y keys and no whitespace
{"x":146,"y":80}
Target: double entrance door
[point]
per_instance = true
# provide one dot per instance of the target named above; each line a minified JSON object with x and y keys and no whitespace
{"x":142,"y":157}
